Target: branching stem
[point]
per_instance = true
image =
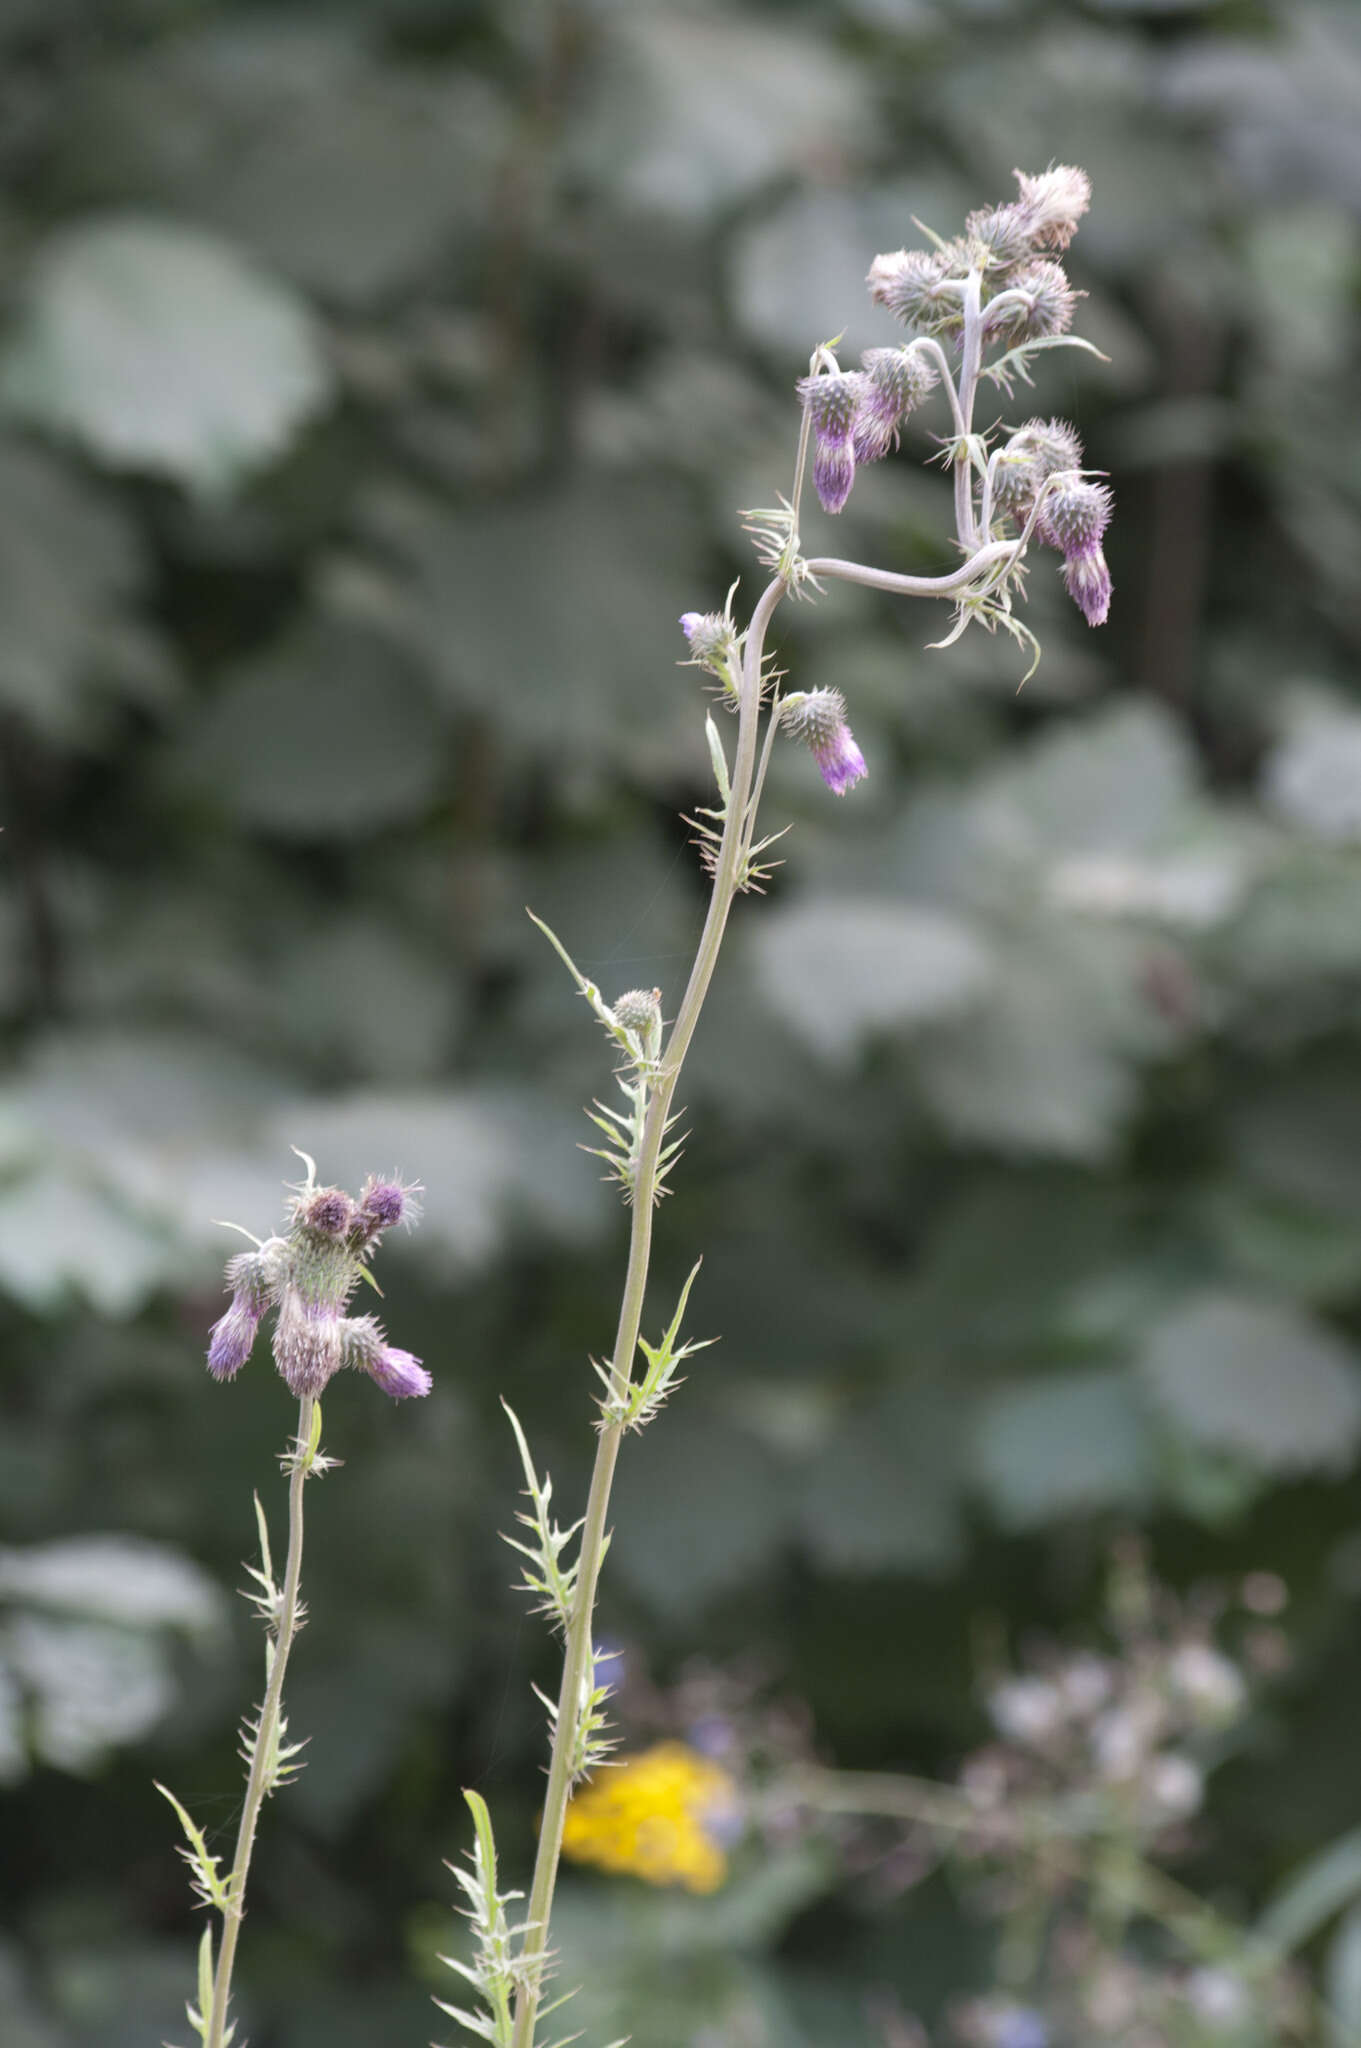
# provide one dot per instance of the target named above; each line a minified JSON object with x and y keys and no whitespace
{"x":577,"y":1656}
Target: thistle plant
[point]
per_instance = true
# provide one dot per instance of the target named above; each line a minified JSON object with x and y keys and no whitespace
{"x":308,"y":1275}
{"x":978,"y":308}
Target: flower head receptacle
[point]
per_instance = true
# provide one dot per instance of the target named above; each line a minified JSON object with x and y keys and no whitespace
{"x":308,"y":1275}
{"x":818,"y":719}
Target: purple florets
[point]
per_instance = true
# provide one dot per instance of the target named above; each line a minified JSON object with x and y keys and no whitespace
{"x":818,"y":718}
{"x":383,"y":1204}
{"x":328,"y":1211}
{"x":231,"y":1338}
{"x":1088,"y":582}
{"x":366,"y":1349}
{"x":308,"y":1276}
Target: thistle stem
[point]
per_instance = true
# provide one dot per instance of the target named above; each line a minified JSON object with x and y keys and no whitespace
{"x":264,"y":1747}
{"x":577,"y":1657}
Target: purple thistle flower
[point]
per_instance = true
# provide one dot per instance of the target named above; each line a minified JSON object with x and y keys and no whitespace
{"x":232,"y":1336}
{"x":365,"y":1347}
{"x":818,"y":718}
{"x":896,"y":380}
{"x":1073,"y":517}
{"x":831,"y":403}
{"x":309,"y":1276}
{"x":307,"y":1343}
{"x":383,"y":1204}
{"x":327,"y":1211}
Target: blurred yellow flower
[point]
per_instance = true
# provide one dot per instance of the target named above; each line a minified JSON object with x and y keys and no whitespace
{"x":662,"y":1815}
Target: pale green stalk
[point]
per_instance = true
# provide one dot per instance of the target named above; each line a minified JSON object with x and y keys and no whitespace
{"x":577,"y":1655}
{"x":738,"y":827}
{"x":264,"y":1747}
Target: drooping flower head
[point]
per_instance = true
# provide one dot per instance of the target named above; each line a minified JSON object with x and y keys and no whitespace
{"x":1074,"y":515}
{"x":309,"y":1274}
{"x":831,"y":401}
{"x":896,"y":381}
{"x":818,"y":719}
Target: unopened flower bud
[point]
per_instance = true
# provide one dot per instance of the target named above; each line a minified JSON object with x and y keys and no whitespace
{"x":831,"y":402}
{"x":818,"y":719}
{"x":921,"y":287}
{"x":1053,"y":203}
{"x":896,"y":380}
{"x":1034,"y":453}
{"x":710,"y":638}
{"x":638,"y":1009}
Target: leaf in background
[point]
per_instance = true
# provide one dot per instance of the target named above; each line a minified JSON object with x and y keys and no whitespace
{"x":1047,"y":1064}
{"x":1068,"y":1443}
{"x":839,"y":970}
{"x":115,"y":1578}
{"x":159,"y":347}
{"x":699,"y":1511}
{"x":1311,"y":1895}
{"x":1258,"y":1379}
{"x":1342,"y":1973}
{"x":71,"y":568}
{"x":1312,"y":777}
{"x":883,"y":1493}
{"x":330,"y":735}
{"x":573,"y":593}
{"x":694,"y":110}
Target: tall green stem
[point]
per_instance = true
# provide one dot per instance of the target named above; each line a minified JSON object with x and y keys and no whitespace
{"x":577,"y":1660}
{"x":265,"y":1745}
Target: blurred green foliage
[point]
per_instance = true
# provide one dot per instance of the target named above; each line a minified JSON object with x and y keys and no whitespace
{"x":378,"y":382}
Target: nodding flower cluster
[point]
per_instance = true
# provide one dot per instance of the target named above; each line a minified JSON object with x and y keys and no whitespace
{"x":309,"y":1275}
{"x":996,"y":284}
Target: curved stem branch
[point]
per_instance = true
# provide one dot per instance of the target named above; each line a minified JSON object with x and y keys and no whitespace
{"x":264,"y":1748}
{"x":978,"y":564}
{"x":577,"y":1657}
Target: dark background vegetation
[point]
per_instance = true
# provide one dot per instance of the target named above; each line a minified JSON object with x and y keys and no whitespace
{"x":379,"y":384}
